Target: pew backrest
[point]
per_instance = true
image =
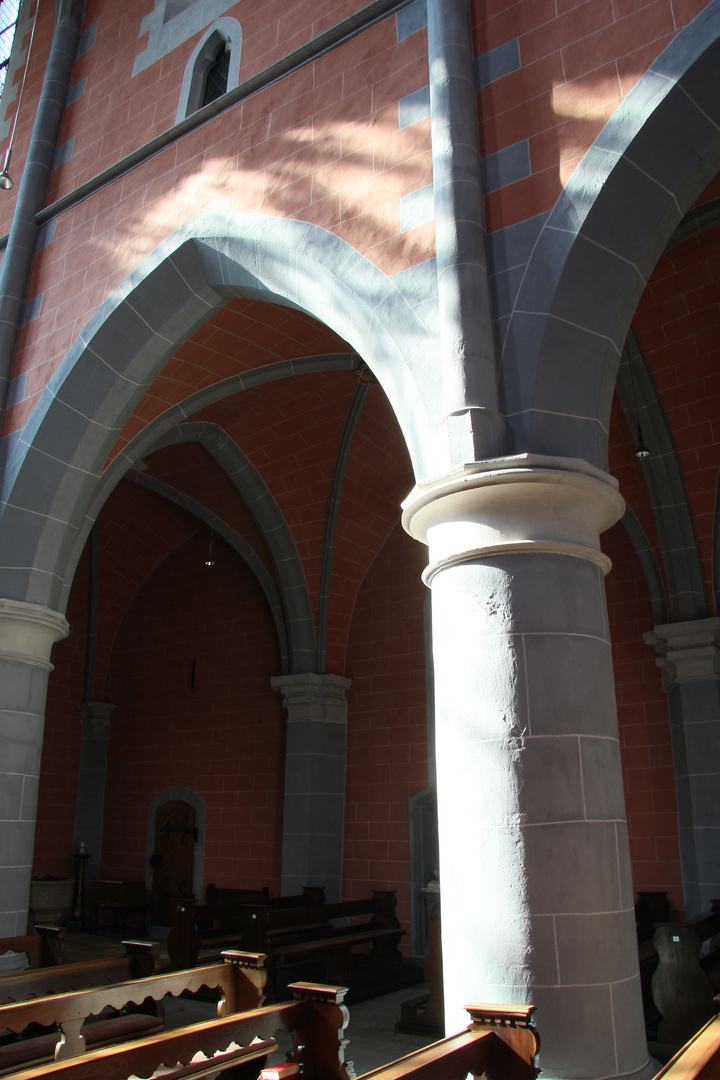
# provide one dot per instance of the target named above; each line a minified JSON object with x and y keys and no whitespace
{"x":699,"y":1059}
{"x":315,"y":1019}
{"x":44,"y":948}
{"x":499,"y":1044}
{"x":140,"y":960}
{"x":240,"y":978}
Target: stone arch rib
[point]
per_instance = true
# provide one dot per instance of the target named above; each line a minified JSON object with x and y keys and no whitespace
{"x":341,"y":461}
{"x":141,"y":445}
{"x":272,"y":526}
{"x":600,"y":243}
{"x":649,"y":565}
{"x":246,"y":552}
{"x":663,"y":476}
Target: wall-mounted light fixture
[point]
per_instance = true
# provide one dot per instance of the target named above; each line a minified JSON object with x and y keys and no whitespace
{"x":210,"y":561}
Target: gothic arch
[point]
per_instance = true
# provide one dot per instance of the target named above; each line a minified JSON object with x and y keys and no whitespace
{"x":600,"y":243}
{"x":54,"y":468}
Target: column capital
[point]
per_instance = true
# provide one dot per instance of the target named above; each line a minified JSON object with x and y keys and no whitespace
{"x":96,"y":718}
{"x":29,"y":631}
{"x":527,"y":503}
{"x":313,"y":697}
{"x":687,"y":651}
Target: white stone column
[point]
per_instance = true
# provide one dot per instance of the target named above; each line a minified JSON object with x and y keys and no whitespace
{"x":537,"y":901}
{"x":27,"y":635}
{"x":689,"y":656}
{"x":315,"y":759}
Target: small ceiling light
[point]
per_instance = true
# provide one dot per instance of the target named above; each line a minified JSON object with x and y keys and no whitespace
{"x":6,"y":181}
{"x":210,"y":562}
{"x":641,"y":450}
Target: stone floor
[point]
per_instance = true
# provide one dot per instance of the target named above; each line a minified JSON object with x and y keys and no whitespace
{"x":373,"y":1040}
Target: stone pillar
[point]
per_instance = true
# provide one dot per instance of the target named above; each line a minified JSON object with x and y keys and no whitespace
{"x":27,"y":635}
{"x":90,"y":804}
{"x":690,"y":662}
{"x":315,"y":758}
{"x":534,"y":861}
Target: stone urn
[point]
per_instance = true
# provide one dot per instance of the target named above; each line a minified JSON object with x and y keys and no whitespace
{"x":50,"y":900}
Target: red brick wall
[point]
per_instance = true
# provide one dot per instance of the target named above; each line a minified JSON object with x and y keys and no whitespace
{"x":579,"y":59}
{"x":645,"y":750}
{"x":387,"y":721}
{"x":224,"y":739}
{"x":322,"y":145}
{"x":678,"y":324}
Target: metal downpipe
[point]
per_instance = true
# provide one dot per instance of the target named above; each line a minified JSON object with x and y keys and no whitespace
{"x":476,"y":429}
{"x":34,"y":182}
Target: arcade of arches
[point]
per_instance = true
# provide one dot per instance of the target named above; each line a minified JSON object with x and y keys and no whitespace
{"x":312,"y":425}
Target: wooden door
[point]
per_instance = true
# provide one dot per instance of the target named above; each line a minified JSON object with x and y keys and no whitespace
{"x":173,"y":859}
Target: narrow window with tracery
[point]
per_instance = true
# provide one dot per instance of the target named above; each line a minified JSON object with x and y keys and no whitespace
{"x":216,"y":79}
{"x":213,"y":67}
{"x":9,"y":10}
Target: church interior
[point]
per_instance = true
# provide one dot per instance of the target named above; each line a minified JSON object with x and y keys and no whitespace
{"x":244,"y":691}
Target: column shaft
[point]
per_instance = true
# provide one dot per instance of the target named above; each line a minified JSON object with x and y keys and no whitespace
{"x":27,"y":633}
{"x":315,"y":761}
{"x":689,"y":657}
{"x":537,"y":901}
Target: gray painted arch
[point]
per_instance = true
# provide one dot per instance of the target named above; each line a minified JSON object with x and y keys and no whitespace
{"x":54,"y":466}
{"x":145,"y":441}
{"x":599,"y":245}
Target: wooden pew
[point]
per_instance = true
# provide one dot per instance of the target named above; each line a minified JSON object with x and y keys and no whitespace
{"x":221,"y":894}
{"x":222,"y":920}
{"x":296,"y":937}
{"x":699,"y":1059}
{"x":315,"y":1018}
{"x":682,"y":983}
{"x":43,"y":948}
{"x":498,"y":1044}
{"x":140,"y":960}
{"x":80,"y":1020}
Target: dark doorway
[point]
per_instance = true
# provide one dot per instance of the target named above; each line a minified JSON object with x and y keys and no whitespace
{"x":173,"y":858}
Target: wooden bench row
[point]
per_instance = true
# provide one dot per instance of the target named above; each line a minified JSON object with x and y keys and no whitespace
{"x":121,"y":1011}
{"x":140,"y":960}
{"x":293,"y":934}
{"x":499,"y":1042}
{"x":43,"y":948}
{"x":222,"y":921}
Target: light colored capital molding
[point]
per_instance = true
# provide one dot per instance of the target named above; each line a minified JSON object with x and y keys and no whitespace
{"x":525,"y":504}
{"x":29,"y":631}
{"x":313,"y":697}
{"x":96,"y":719}
{"x":687,"y":651}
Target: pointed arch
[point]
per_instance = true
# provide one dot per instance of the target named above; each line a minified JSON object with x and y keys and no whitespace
{"x":55,"y":464}
{"x":600,"y":243}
